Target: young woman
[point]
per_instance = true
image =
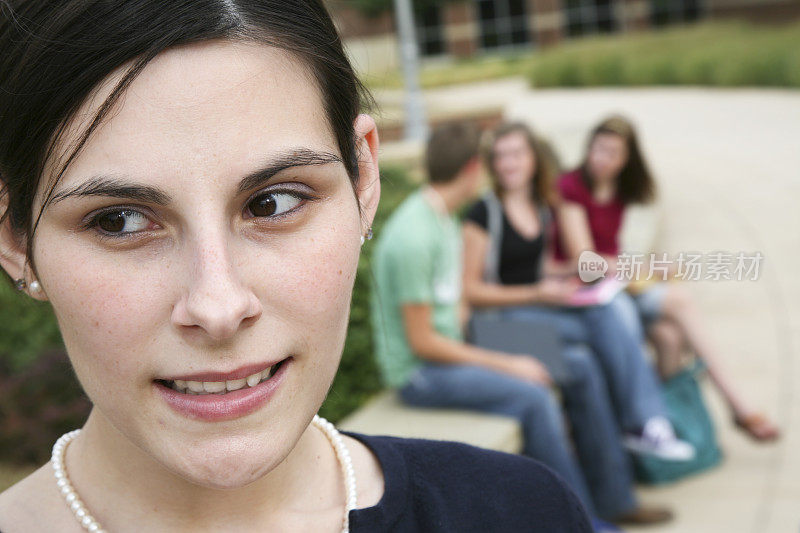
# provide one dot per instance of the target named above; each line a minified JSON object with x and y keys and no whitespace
{"x":614,"y":175}
{"x":508,"y":274}
{"x":189,"y":183}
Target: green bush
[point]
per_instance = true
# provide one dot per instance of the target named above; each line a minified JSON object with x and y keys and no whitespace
{"x":27,"y":328}
{"x":732,"y":54}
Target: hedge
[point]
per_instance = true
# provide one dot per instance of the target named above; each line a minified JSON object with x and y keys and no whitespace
{"x":731,"y":54}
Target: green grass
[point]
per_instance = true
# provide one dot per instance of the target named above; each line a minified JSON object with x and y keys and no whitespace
{"x":470,"y":70}
{"x":723,"y":54}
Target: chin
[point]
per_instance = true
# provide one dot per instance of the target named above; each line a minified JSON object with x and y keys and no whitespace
{"x":228,"y":469}
{"x":225,"y":460}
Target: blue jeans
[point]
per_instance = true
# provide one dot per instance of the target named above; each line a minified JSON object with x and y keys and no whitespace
{"x":607,"y":487}
{"x":640,"y":311}
{"x":632,"y":382}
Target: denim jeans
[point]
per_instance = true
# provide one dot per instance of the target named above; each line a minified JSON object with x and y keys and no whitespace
{"x":632,"y":382}
{"x":606,"y":488}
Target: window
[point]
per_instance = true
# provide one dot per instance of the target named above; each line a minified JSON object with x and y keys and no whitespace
{"x":585,"y":17}
{"x":430,"y":35}
{"x":503,"y":23}
{"x":664,"y":12}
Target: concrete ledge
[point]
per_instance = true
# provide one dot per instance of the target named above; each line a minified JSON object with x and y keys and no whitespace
{"x":386,"y":415}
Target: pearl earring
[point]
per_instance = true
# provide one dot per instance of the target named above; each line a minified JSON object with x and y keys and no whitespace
{"x":34,"y":286}
{"x":368,"y":237}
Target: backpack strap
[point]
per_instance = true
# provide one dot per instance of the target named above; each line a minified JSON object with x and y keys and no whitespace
{"x":494,"y":226}
{"x":545,"y":219}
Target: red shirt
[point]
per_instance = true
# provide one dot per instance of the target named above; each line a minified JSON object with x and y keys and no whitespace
{"x":605,"y":219}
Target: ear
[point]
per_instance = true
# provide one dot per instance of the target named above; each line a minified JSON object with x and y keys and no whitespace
{"x":12,"y":246}
{"x":13,"y":256}
{"x":368,"y":190}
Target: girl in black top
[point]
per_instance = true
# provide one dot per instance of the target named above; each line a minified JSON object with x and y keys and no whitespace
{"x":507,"y":270}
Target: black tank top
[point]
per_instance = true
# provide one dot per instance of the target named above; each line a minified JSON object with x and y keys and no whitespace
{"x":520,"y":258}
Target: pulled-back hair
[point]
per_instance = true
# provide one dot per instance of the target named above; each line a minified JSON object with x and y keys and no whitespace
{"x":54,"y":54}
{"x":636,"y":183}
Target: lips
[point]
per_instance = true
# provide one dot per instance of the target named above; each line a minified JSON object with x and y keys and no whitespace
{"x":215,"y":396}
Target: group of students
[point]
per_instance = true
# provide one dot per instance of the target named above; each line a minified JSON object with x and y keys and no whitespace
{"x":515,"y":252}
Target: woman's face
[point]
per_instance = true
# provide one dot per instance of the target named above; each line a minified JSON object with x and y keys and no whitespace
{"x":207,"y":231}
{"x":514,"y":161}
{"x":608,"y":155}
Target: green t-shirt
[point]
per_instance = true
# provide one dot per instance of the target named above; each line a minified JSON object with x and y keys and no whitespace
{"x":417,"y":259}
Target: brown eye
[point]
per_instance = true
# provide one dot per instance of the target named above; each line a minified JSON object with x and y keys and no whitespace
{"x":263,"y":206}
{"x":121,"y":222}
{"x":273,"y":203}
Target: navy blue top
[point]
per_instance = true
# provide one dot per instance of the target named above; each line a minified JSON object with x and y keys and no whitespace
{"x":435,"y":486}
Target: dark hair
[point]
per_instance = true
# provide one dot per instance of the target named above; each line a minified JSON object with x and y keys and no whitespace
{"x":547,"y":166}
{"x":450,"y":147}
{"x":55,"y":53}
{"x":636,"y":183}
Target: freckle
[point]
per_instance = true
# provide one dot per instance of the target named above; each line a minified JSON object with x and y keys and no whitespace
{"x":340,"y":272}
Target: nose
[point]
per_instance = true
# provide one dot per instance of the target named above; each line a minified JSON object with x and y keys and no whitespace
{"x":216,"y":300}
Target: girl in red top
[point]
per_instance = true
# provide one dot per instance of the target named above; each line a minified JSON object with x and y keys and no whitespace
{"x":594,"y":196}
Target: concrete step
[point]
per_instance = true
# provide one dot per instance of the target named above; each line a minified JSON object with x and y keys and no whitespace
{"x":386,"y":415}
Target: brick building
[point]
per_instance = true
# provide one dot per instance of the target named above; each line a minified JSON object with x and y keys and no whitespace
{"x":467,"y":27}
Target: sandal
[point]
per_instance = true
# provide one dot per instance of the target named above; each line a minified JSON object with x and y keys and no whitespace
{"x":758,"y":427}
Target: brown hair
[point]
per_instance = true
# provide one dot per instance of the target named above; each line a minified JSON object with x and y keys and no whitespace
{"x":636,"y":183}
{"x":547,"y":166}
{"x":450,"y":147}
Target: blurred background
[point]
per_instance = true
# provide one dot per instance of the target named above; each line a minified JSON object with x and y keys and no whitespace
{"x":714,"y":89}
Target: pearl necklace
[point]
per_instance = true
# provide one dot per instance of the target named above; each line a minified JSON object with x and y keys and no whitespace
{"x":90,"y":524}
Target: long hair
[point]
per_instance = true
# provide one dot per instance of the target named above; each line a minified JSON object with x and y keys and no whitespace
{"x":55,"y":53}
{"x":547,"y":166}
{"x":635,"y":183}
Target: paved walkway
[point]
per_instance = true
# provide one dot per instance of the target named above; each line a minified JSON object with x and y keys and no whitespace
{"x":728,"y":167}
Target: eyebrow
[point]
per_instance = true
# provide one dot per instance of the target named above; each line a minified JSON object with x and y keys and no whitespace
{"x":118,"y":188}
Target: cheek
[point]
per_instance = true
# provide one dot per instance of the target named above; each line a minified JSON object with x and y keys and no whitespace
{"x":317,"y":280}
{"x":108,"y":314}
{"x":306,"y":279}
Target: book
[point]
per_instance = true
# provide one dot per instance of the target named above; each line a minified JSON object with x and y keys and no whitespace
{"x":597,"y":293}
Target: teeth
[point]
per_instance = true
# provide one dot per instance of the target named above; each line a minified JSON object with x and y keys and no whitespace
{"x":253,"y":380}
{"x":222,"y":387}
{"x":195,"y":386}
{"x":235,"y":384}
{"x":214,"y":386}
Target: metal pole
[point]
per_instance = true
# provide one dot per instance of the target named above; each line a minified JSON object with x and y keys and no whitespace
{"x":416,"y":127}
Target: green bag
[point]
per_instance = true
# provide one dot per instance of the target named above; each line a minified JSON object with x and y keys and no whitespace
{"x":688,"y":414}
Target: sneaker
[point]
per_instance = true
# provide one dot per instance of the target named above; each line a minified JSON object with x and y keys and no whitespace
{"x":658,"y":439}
